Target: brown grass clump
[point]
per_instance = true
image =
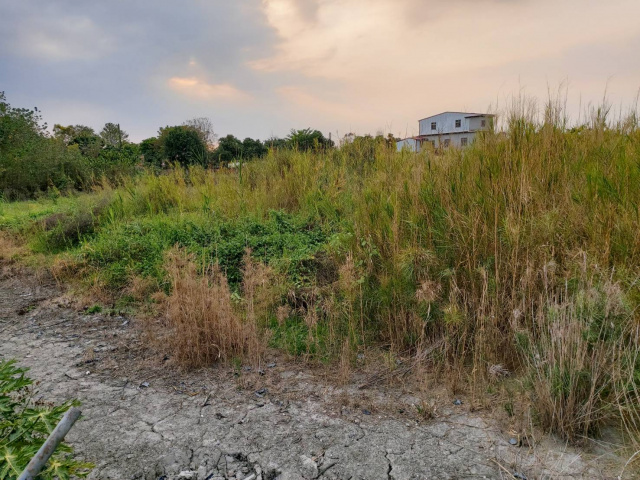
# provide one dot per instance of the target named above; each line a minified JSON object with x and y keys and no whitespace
{"x":140,"y":288}
{"x":10,"y":249}
{"x":205,"y":325}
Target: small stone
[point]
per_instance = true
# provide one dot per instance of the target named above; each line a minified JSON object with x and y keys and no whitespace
{"x":309,"y":468}
{"x":261,"y":393}
{"x":513,"y":441}
{"x":457,"y":401}
{"x":271,"y":365}
{"x":366,"y":412}
{"x":144,"y":385}
{"x":202,"y":472}
{"x":520,"y":476}
{"x":186,"y":475}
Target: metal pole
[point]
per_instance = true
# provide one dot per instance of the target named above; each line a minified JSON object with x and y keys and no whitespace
{"x":41,"y":458}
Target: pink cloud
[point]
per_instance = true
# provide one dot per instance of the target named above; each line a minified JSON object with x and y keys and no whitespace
{"x":198,"y":88}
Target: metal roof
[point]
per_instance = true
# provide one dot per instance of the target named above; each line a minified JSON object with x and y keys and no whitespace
{"x":466,"y":114}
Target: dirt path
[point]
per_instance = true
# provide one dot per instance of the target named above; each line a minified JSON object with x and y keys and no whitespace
{"x":207,"y":426}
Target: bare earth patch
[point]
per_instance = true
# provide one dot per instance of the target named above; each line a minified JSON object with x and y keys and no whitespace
{"x":142,"y":418}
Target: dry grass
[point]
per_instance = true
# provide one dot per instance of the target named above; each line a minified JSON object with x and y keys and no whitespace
{"x":206,"y":327}
{"x":582,"y":354}
{"x":11,"y":248}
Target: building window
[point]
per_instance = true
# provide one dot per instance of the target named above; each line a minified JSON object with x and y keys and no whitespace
{"x":458,"y":123}
{"x":433,"y":125}
{"x":483,"y":123}
{"x":446,"y":143}
{"x":463,"y":142}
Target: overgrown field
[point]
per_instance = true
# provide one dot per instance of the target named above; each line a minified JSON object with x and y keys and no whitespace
{"x":520,"y":253}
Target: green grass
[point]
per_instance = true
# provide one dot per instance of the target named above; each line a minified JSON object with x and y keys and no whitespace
{"x":17,"y":215}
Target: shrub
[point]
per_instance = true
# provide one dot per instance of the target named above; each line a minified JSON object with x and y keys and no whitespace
{"x":26,"y":424}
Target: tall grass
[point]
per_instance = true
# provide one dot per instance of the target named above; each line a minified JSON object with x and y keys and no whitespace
{"x":482,"y":251}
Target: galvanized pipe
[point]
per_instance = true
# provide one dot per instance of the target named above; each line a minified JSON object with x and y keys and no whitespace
{"x":41,"y":458}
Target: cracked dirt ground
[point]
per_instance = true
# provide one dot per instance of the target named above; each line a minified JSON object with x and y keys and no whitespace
{"x":211,"y":425}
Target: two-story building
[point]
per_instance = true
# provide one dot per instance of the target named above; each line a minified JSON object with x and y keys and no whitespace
{"x":447,"y":129}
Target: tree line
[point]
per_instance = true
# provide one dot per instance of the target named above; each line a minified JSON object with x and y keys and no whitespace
{"x":33,"y":160}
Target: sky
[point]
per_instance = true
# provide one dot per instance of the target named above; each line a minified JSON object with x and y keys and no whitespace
{"x":258,"y":68}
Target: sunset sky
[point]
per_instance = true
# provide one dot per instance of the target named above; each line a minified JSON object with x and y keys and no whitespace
{"x":259,"y":68}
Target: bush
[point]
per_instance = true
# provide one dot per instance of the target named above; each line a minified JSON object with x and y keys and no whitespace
{"x":25,"y":425}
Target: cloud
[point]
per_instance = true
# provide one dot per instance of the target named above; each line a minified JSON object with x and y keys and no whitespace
{"x":389,"y":61}
{"x":364,"y":37}
{"x":50,"y":35}
{"x":199,"y":88}
{"x":262,"y":67}
{"x":314,"y":103}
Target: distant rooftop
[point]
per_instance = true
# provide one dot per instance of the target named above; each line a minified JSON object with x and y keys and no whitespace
{"x":466,"y":114}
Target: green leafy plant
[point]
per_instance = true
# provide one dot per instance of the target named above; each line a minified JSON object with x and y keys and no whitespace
{"x":24,"y":426}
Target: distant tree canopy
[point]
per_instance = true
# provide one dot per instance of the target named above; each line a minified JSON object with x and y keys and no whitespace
{"x":74,"y":156}
{"x":231,"y":148}
{"x":113,"y":136}
{"x":30,"y":161}
{"x":307,"y":139}
{"x":204,"y":126}
{"x":151,"y":150}
{"x":84,"y":137}
{"x":276,"y":143}
{"x":19,"y":127}
{"x":182,"y":144}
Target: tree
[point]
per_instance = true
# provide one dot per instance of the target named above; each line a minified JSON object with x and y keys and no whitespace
{"x":307,"y":139}
{"x":85,"y":137}
{"x":182,"y":144}
{"x":275,"y":143}
{"x":19,"y":127}
{"x":113,"y":136}
{"x":151,"y":150}
{"x":32,"y":162}
{"x":231,"y":148}
{"x":253,"y":148}
{"x":204,"y":127}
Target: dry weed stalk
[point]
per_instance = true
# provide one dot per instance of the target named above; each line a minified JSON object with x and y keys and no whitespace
{"x":206,"y":327}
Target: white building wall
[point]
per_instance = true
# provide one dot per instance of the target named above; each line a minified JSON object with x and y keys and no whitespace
{"x":454,"y":139}
{"x":446,"y":123}
{"x":475,"y":123}
{"x":409,"y":143}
